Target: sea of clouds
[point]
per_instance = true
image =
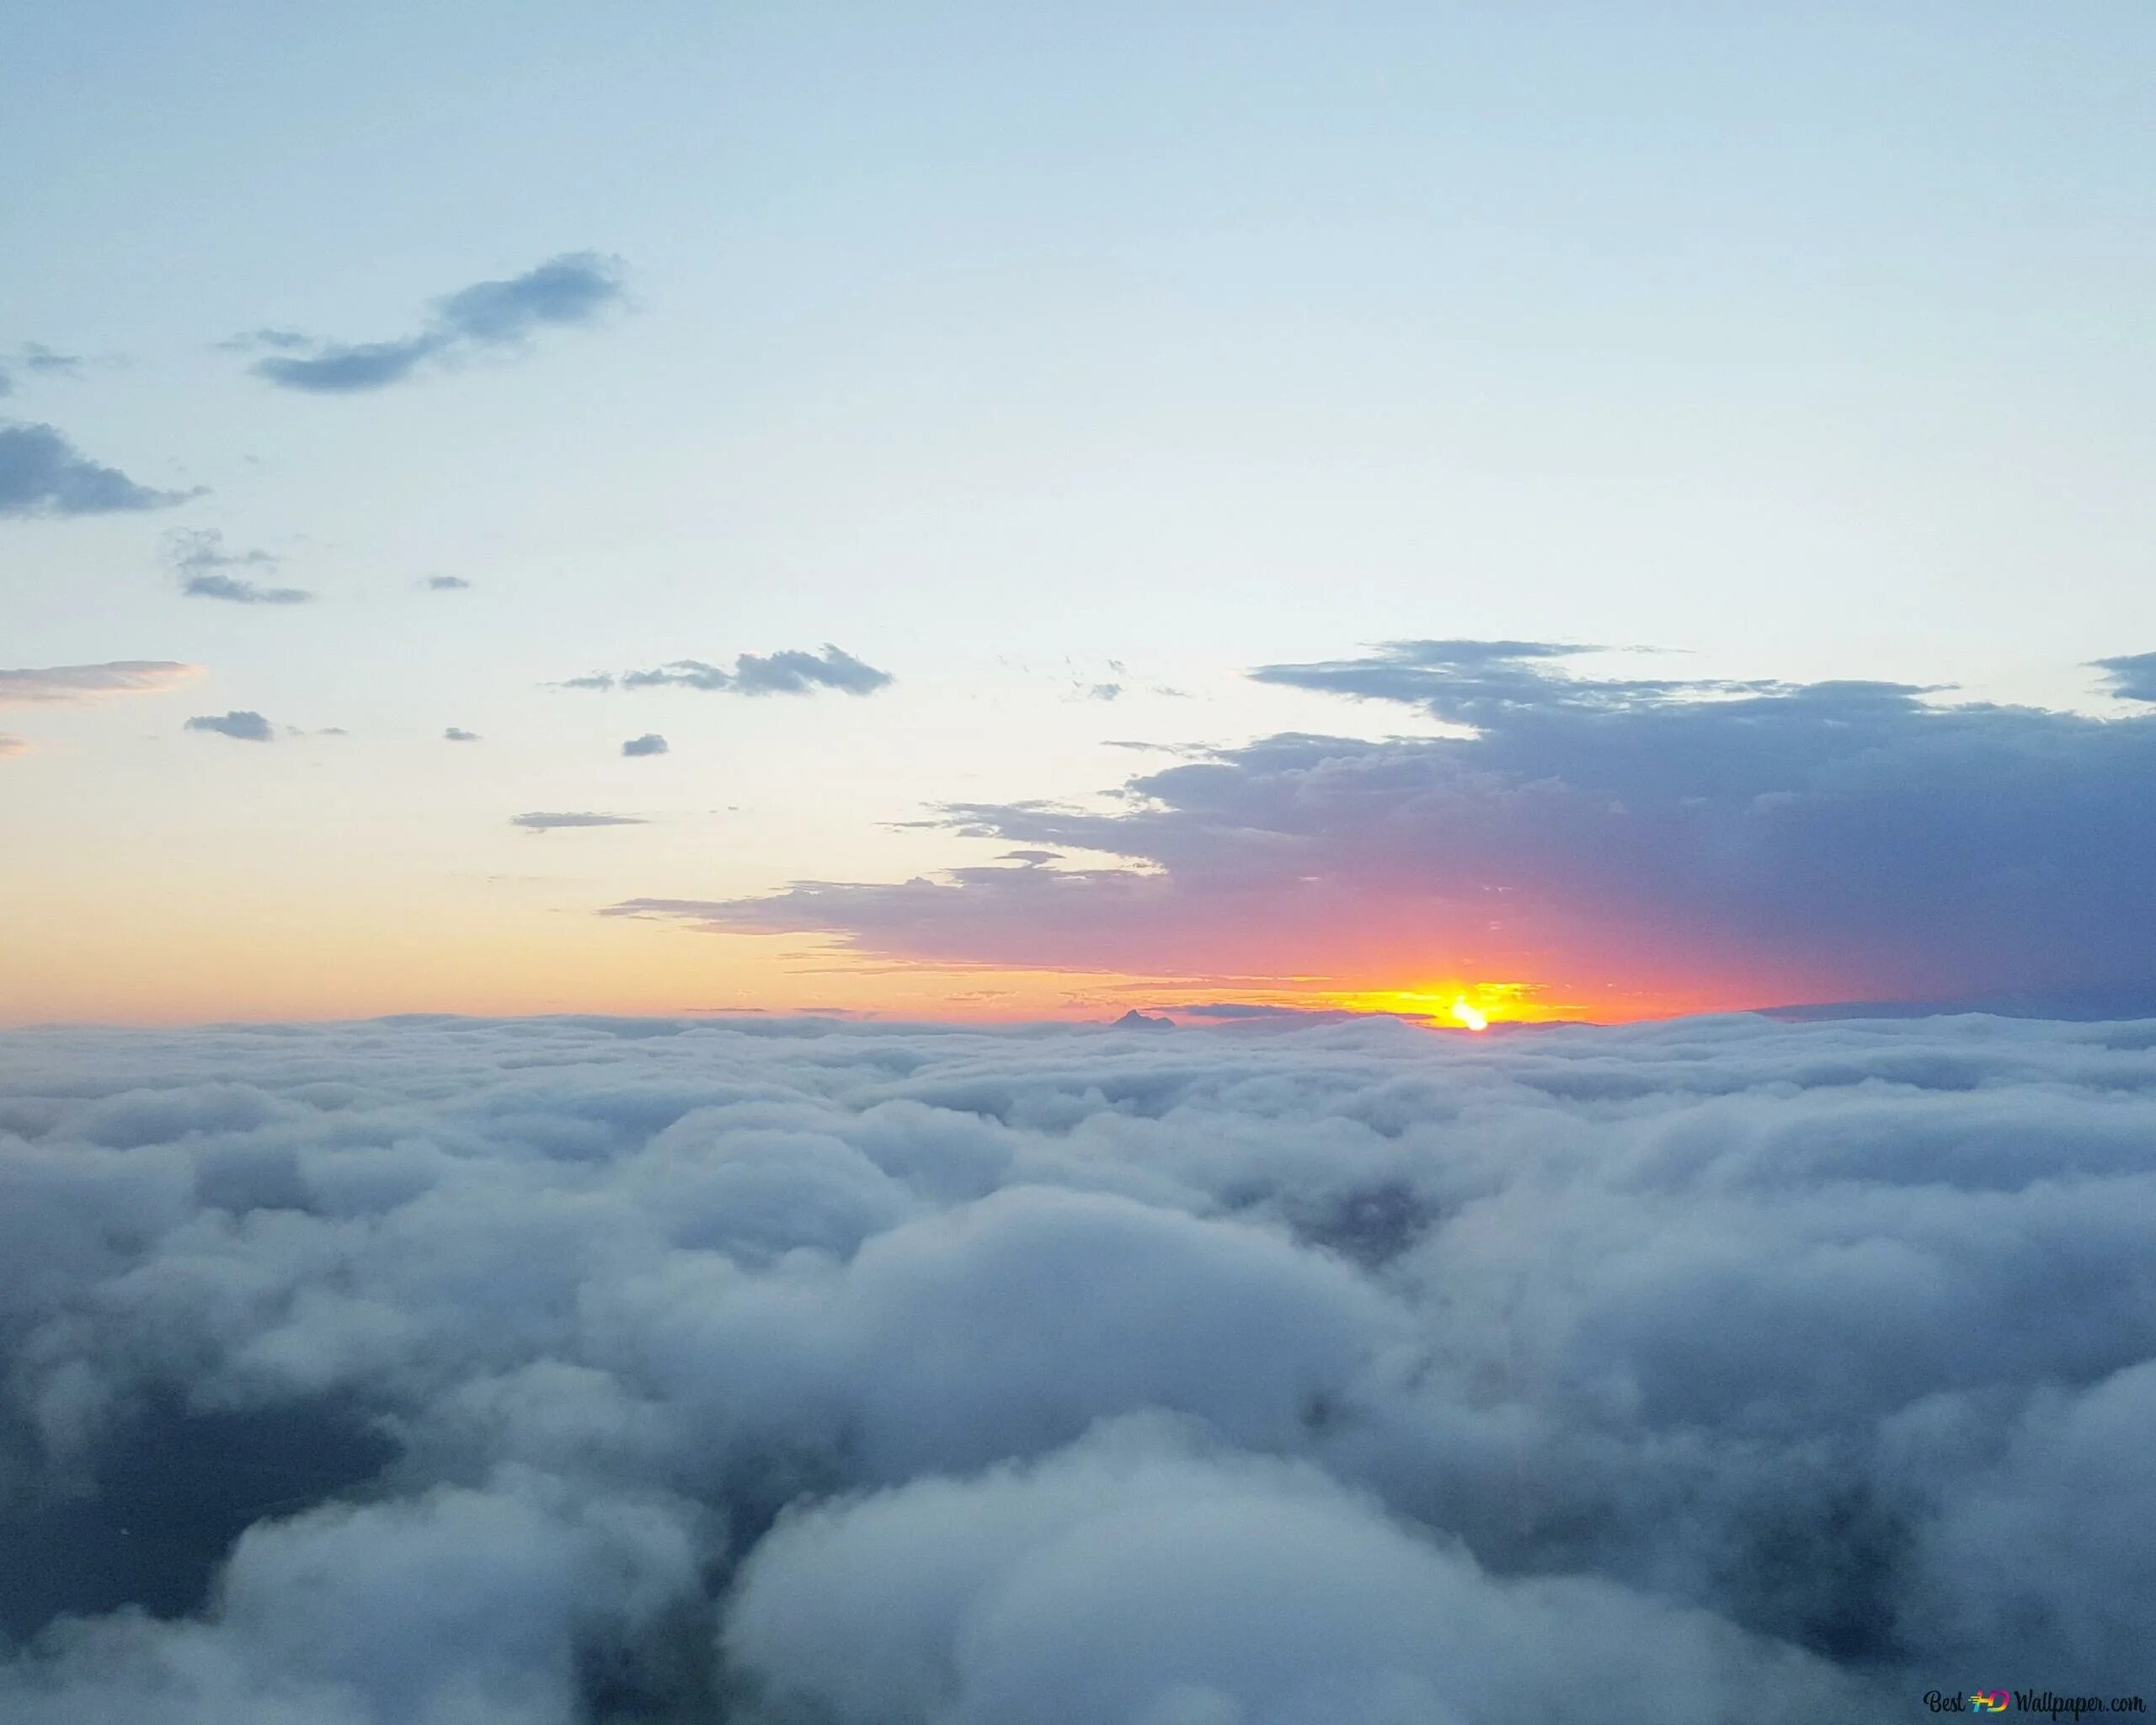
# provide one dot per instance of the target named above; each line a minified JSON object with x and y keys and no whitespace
{"x":462,"y":1372}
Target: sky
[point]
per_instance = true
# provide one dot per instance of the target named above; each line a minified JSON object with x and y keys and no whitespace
{"x":989,"y":512}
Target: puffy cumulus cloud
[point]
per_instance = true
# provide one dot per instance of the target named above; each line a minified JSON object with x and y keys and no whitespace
{"x":59,"y":683}
{"x":241,"y":725}
{"x":42,"y":474}
{"x":650,"y":743}
{"x":1140,"y":1576}
{"x":458,"y":1370}
{"x":487,"y":318}
{"x":1747,"y":843}
{"x":204,"y":569}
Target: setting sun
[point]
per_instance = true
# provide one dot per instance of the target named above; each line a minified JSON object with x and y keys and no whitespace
{"x":1468,"y":1016}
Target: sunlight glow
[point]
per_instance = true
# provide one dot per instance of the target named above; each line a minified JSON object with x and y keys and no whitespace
{"x":1468,"y":1016}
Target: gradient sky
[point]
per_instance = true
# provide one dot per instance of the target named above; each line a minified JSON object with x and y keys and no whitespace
{"x":1254,"y":364}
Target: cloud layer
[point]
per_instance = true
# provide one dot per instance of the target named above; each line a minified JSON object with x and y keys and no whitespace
{"x":1751,"y":842}
{"x":494,"y":317}
{"x":459,"y":1372}
{"x":42,"y":474}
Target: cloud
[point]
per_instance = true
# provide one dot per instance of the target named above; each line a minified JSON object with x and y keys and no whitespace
{"x":65,"y":683}
{"x":447,"y":584}
{"x":487,"y":318}
{"x":792,"y":672}
{"x":2132,"y":677}
{"x":38,"y":360}
{"x":591,"y":1368}
{"x":548,"y":823}
{"x":42,"y":474}
{"x":456,"y":734}
{"x":12,"y":745}
{"x":651,"y":743}
{"x":1654,"y":841}
{"x":241,"y":725}
{"x":200,"y":557}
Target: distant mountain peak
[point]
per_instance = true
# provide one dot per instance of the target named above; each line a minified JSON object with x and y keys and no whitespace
{"x":1135,"y":1020}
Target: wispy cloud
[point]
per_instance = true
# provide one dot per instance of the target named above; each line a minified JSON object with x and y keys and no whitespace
{"x":447,"y":584}
{"x":241,"y":725}
{"x":204,"y":565}
{"x":36,"y":359}
{"x":12,"y":745}
{"x":487,"y":318}
{"x":42,"y":474}
{"x":62,"y":683}
{"x":792,"y":672}
{"x":457,"y":734}
{"x":544,"y":822}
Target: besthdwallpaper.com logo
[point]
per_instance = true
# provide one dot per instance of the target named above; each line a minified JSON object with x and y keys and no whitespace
{"x":2031,"y":1701}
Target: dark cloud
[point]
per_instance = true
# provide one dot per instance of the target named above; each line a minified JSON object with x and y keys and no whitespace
{"x":488,"y":317}
{"x":202,"y":562}
{"x":1774,"y":842}
{"x":456,"y":734}
{"x":650,"y":743}
{"x":42,"y":474}
{"x":1033,"y":858}
{"x":447,"y":584}
{"x":590,"y":1368}
{"x":65,"y":683}
{"x":792,"y":672}
{"x":242,"y":726}
{"x":548,"y":823}
{"x":2132,"y":677}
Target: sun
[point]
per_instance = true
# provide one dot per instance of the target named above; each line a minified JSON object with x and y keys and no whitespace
{"x":1468,"y":1016}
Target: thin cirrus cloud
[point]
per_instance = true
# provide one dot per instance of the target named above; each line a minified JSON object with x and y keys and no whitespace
{"x":205,"y":569}
{"x":792,"y":672}
{"x":1712,"y":842}
{"x":35,"y":358}
{"x":242,"y":726}
{"x":488,"y":318}
{"x":42,"y":473}
{"x":59,"y":684}
{"x":1671,"y":1374}
{"x":541,"y":821}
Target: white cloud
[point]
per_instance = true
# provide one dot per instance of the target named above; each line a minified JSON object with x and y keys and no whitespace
{"x":1664,"y":1373}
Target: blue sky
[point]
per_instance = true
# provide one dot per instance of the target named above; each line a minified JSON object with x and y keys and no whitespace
{"x":1021,"y":353}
